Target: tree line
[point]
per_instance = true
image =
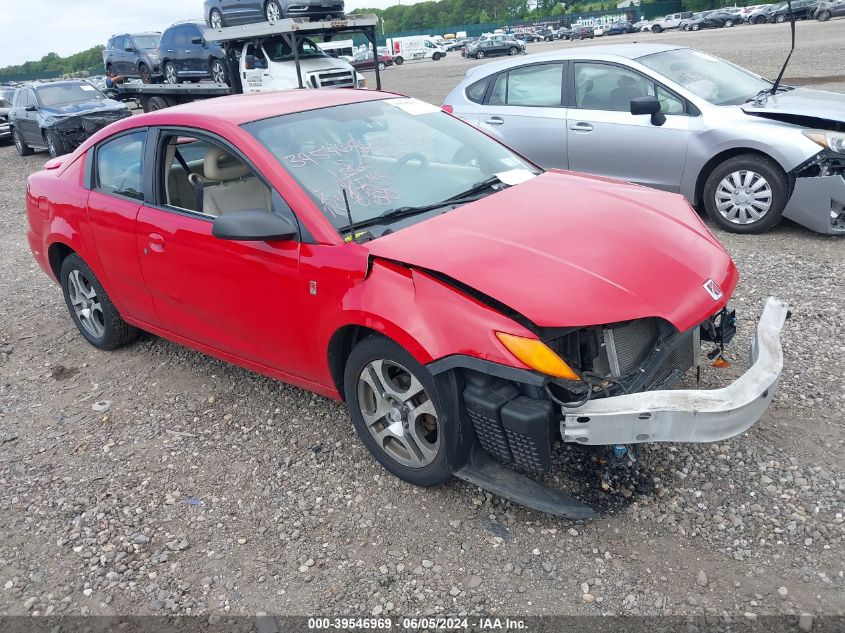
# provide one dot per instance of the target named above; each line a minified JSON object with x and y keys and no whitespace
{"x":53,"y":63}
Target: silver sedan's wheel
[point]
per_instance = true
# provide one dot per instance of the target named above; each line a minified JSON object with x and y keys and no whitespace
{"x":743,"y":197}
{"x":273,"y":12}
{"x":399,"y":413}
{"x":216,"y":19}
{"x":86,"y":305}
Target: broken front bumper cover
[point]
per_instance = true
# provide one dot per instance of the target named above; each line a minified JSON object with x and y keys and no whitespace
{"x":688,"y":415}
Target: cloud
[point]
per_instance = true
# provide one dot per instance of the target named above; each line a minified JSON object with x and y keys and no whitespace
{"x":33,"y":28}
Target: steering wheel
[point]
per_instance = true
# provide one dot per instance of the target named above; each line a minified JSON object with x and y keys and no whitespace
{"x":407,"y":158}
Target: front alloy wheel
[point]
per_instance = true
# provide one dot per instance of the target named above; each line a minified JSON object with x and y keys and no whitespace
{"x":218,"y":72}
{"x":215,"y":19}
{"x":170,"y":74}
{"x":273,"y":11}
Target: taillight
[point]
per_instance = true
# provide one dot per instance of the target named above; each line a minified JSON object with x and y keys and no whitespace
{"x":447,"y":108}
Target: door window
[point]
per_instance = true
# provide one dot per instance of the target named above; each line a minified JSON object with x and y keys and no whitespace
{"x":538,"y":85}
{"x":610,"y":87}
{"x":119,"y":165}
{"x":204,"y":177}
{"x":181,"y":38}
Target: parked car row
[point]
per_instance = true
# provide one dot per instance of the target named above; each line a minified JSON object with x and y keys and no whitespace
{"x":726,"y":17}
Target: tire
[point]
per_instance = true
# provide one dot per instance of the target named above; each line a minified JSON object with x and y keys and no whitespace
{"x":729,"y":23}
{"x":156,"y":103}
{"x":55,"y":144}
{"x":216,"y":19}
{"x":722,"y":181}
{"x":20,"y":145}
{"x":218,"y":72}
{"x":171,"y":75}
{"x":381,"y":66}
{"x":656,"y":29}
{"x":398,"y":61}
{"x":412,"y":451}
{"x":145,"y":74}
{"x":435,"y":56}
{"x":90,"y":308}
{"x":695,"y":27}
{"x":780,"y":19}
{"x":512,"y":51}
{"x":824,"y":16}
{"x":759,"y":20}
{"x":273,"y":11}
{"x":479,"y":55}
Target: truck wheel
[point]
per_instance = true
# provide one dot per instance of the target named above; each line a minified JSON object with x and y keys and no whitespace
{"x":218,"y":72}
{"x":156,"y":103}
{"x":435,"y":56}
{"x":656,"y":28}
{"x":55,"y":144}
{"x":20,"y":145}
{"x":273,"y":11}
{"x":145,"y":74}
{"x":398,"y":61}
{"x":92,"y":311}
{"x":824,"y":16}
{"x":398,"y":413}
{"x":215,"y":19}
{"x":171,"y":75}
{"x":746,"y":194}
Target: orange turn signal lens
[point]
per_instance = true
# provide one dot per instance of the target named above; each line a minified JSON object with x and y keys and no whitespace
{"x":536,"y":355}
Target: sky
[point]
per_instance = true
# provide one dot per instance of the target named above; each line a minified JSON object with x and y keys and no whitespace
{"x":32,"y":28}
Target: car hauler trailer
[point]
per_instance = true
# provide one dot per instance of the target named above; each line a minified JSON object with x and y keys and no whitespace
{"x":254,"y":69}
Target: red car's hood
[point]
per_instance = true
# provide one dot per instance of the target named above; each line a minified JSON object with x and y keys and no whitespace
{"x":571,"y":250}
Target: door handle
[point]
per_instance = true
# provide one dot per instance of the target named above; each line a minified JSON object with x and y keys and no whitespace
{"x":170,"y":50}
{"x":495,"y":120}
{"x":581,"y":126}
{"x":156,"y":242}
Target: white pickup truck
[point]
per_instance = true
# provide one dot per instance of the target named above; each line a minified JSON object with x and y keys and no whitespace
{"x":671,"y":21}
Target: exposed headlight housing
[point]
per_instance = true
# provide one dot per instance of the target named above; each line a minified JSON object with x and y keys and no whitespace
{"x":537,"y":355}
{"x":834,"y":141}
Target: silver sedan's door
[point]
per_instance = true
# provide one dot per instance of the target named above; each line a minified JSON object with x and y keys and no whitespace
{"x":604,"y":138}
{"x":524,"y":109}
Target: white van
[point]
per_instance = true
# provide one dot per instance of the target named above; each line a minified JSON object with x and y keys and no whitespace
{"x":338,"y":48}
{"x":414,"y":47}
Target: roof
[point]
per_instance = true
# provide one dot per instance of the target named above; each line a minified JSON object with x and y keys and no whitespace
{"x":243,"y":108}
{"x":608,"y":52}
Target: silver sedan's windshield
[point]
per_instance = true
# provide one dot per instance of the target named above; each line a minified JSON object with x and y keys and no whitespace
{"x":362,"y":161}
{"x":706,"y":76}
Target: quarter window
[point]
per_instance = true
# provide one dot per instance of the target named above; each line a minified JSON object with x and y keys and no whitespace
{"x":475,"y":92}
{"x":119,"y":165}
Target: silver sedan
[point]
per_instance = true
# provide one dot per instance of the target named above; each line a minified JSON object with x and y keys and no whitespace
{"x":672,"y":118}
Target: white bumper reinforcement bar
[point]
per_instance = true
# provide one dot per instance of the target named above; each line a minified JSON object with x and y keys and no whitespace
{"x":688,"y":415}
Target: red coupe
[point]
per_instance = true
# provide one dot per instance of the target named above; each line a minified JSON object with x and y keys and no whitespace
{"x":373,"y":248}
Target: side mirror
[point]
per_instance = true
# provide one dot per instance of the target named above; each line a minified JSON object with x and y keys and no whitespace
{"x":648,"y":105}
{"x":197,"y":40}
{"x":30,"y":108}
{"x":129,"y":49}
{"x":253,"y":225}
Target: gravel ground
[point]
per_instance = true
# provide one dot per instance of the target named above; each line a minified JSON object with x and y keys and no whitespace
{"x":157,"y":480}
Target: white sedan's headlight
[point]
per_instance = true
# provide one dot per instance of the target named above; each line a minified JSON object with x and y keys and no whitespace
{"x":834,"y":141}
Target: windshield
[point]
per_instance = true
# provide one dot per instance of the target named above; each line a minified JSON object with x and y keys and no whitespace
{"x":277,"y":49}
{"x":146,"y":42}
{"x":384,"y":155}
{"x":62,"y":94}
{"x":706,"y":76}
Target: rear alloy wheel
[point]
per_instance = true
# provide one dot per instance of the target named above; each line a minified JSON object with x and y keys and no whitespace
{"x":695,"y":27}
{"x":145,"y":74}
{"x":215,"y":19}
{"x":217,"y":71}
{"x":397,"y":412}
{"x":780,"y":19}
{"x":171,"y":75}
{"x":273,"y":11}
{"x":512,"y":51}
{"x":381,"y":66}
{"x":824,"y":16}
{"x":92,"y":311}
{"x":20,"y":145}
{"x":479,"y":55}
{"x":729,"y":23}
{"x":55,"y":144}
{"x":746,"y":194}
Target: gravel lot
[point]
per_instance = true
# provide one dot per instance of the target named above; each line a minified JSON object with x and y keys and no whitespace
{"x":157,"y":480}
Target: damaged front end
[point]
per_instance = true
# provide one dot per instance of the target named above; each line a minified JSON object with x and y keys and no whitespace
{"x":623,"y":397}
{"x":818,"y":194}
{"x":74,"y":129}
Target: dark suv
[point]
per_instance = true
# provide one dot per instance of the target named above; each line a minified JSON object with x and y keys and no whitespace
{"x":220,"y":13}
{"x":185,"y":54}
{"x":135,"y":55}
{"x":801,"y":10}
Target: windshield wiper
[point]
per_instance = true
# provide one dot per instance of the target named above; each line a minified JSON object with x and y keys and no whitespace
{"x":767,"y":92}
{"x":470,"y":195}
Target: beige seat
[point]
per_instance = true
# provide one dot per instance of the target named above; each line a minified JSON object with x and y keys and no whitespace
{"x":179,"y":191}
{"x":233,"y":187}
